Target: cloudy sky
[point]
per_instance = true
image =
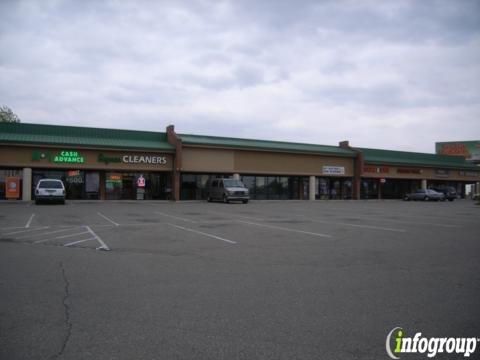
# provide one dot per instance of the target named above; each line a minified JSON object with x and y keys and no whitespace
{"x":399,"y":74}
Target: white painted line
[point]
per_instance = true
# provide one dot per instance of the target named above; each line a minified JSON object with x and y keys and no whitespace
{"x":202,"y":233}
{"x":411,"y":222}
{"x":354,"y":225}
{"x":175,"y":217}
{"x":24,"y":231}
{"x":79,"y":241}
{"x":66,"y":236}
{"x":47,"y":233}
{"x":29,"y":221}
{"x":227,"y":215}
{"x":102,"y":246}
{"x":284,"y":228}
{"x":108,"y":219}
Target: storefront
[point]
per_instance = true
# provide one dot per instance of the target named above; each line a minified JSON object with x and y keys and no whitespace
{"x":93,"y":165}
{"x":110,"y":164}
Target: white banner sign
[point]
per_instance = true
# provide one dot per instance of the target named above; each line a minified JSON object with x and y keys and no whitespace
{"x":333,"y":170}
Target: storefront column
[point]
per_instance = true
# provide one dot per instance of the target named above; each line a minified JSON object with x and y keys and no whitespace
{"x":424,"y":184}
{"x":311,"y":188}
{"x":27,"y":184}
{"x":236,"y":176}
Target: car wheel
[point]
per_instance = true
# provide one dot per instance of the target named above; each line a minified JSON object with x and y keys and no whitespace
{"x":451,"y":199}
{"x":37,"y":202}
{"x":406,"y":198}
{"x":426,"y":198}
{"x":225,"y":199}
{"x":209,"y":199}
{"x":245,"y":201}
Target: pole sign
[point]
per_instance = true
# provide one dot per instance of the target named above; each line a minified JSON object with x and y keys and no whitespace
{"x":470,"y":150}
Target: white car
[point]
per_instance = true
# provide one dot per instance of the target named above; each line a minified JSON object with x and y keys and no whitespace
{"x":50,"y":190}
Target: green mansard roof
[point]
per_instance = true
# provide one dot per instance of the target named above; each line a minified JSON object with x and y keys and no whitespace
{"x":267,"y":145}
{"x":406,"y":158}
{"x":55,"y":135}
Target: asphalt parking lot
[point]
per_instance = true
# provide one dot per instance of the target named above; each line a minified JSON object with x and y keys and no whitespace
{"x":266,"y":280}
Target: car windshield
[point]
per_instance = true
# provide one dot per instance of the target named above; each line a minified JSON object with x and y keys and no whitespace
{"x":50,"y":185}
{"x":232,"y":183}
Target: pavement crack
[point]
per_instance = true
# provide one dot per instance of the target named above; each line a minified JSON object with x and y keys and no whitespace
{"x":68,"y":323}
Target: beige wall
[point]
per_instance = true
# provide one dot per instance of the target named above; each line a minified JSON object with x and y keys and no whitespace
{"x":259,"y":162}
{"x":392,"y":172}
{"x":17,"y":156}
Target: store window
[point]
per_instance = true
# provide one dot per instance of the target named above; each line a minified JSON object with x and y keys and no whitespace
{"x":136,"y":186}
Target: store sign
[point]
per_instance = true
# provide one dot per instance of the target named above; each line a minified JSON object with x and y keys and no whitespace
{"x":409,"y":171}
{"x":333,"y":170}
{"x":442,"y":173}
{"x":62,"y":157}
{"x":469,"y":173}
{"x":144,"y":159}
{"x":133,"y":159}
{"x":376,"y":169}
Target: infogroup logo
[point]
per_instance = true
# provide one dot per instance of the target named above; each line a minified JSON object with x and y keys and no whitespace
{"x":397,"y":343}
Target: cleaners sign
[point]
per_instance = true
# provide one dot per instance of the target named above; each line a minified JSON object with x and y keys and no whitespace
{"x":133,"y":159}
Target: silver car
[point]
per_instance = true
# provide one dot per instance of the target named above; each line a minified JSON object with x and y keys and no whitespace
{"x":51,"y":190}
{"x":425,"y":194}
{"x":227,"y":190}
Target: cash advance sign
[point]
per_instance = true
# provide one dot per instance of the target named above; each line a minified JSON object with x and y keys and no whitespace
{"x":61,"y":157}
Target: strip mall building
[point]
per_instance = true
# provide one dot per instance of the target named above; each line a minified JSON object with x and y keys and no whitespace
{"x":121,"y":164}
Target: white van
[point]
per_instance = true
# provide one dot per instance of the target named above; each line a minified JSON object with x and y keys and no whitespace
{"x":51,"y":190}
{"x":227,"y":190}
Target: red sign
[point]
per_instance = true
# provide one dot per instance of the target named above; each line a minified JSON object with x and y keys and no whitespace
{"x":12,"y":187}
{"x":376,"y":169}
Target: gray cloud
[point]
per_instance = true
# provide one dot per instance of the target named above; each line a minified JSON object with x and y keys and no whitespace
{"x":313,"y":71}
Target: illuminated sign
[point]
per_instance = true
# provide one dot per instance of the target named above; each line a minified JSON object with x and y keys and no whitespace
{"x":144,"y":159}
{"x":133,"y":159}
{"x":141,"y":182}
{"x":64,"y":156}
{"x":69,"y":156}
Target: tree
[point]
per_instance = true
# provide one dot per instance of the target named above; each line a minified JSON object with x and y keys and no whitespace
{"x":7,"y":115}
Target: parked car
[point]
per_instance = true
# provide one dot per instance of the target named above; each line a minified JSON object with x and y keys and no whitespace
{"x":51,"y":190}
{"x":449,"y":192}
{"x":227,"y":190}
{"x":426,"y":195}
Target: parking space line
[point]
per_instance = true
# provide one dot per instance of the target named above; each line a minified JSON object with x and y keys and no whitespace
{"x":24,"y":231}
{"x":60,"y":237}
{"x":102,"y":246}
{"x":284,"y":228}
{"x":354,"y":225}
{"x":29,"y":221}
{"x":234,"y":215}
{"x":79,"y":241}
{"x":409,"y":222}
{"x":202,"y":233}
{"x":47,"y":233}
{"x":175,"y":217}
{"x":108,"y":219}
